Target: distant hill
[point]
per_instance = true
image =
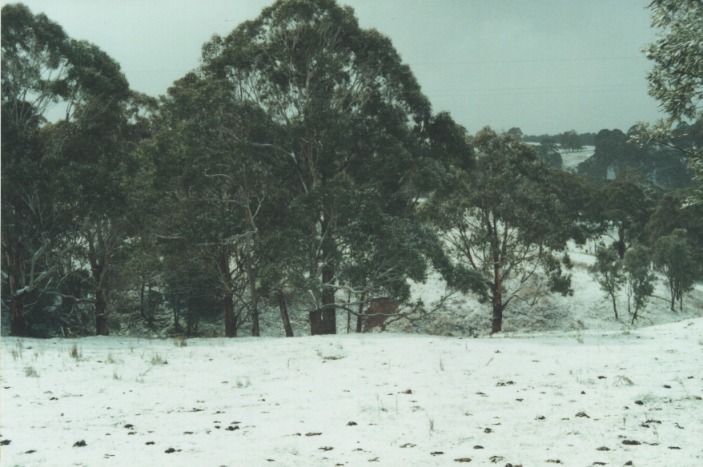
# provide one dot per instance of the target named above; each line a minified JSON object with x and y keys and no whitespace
{"x":614,"y":151}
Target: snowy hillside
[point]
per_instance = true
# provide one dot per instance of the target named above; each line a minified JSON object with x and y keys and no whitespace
{"x":588,"y":309}
{"x":571,"y":159}
{"x":570,"y":398}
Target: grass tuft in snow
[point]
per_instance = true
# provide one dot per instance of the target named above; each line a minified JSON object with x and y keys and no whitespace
{"x":17,"y":351}
{"x":157,"y":359}
{"x":242,"y":383}
{"x":333,"y":353}
{"x":622,"y":380}
{"x":180,"y":341}
{"x":30,"y":372}
{"x":74,"y":352}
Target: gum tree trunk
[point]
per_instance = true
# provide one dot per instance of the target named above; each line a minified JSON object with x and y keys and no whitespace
{"x":316,"y":323}
{"x":329,"y":311}
{"x":101,"y":328}
{"x":281,"y":298}
{"x":230,"y":319}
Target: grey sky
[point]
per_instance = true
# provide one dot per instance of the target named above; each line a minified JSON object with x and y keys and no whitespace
{"x":545,"y":66}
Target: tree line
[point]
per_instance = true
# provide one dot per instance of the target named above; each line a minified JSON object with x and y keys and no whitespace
{"x":299,"y":164}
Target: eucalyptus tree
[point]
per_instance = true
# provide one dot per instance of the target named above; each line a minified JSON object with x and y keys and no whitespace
{"x":608,"y":271}
{"x":351,"y":120}
{"x":625,"y":208}
{"x":674,"y":258}
{"x":504,"y":221}
{"x":45,"y":194}
{"x":639,"y":278}
{"x":33,"y":64}
{"x":676,"y":79}
{"x":549,"y":154}
{"x":216,"y":187}
{"x":96,"y":157}
{"x":675,"y":211}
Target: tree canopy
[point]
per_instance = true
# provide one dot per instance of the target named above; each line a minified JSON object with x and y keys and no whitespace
{"x":676,"y":80}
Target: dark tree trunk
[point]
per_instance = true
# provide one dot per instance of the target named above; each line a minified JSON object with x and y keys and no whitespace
{"x":621,"y":242}
{"x":255,"y":326}
{"x":497,"y":321}
{"x":151,"y":307}
{"x":101,"y":328}
{"x":328,"y":308}
{"x":18,"y":327}
{"x":615,"y":307}
{"x":176,"y":322}
{"x":329,"y":311}
{"x":360,"y":314}
{"x":316,"y":323}
{"x":497,"y":318}
{"x":673,"y":293}
{"x":142,"y":300}
{"x":15,"y":276}
{"x":281,"y":298}
{"x":191,"y":318}
{"x":254,"y":295}
{"x":230,"y":319}
{"x":329,"y":321}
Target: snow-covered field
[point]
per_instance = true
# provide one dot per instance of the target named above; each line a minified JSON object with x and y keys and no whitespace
{"x":564,"y":384}
{"x":575,"y":398}
{"x":571,"y":159}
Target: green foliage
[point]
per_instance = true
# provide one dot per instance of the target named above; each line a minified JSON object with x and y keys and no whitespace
{"x":674,"y":211}
{"x":608,"y":271}
{"x":640,"y":280}
{"x":570,"y":141}
{"x":190,"y":288}
{"x":352,"y":143}
{"x":674,"y":258}
{"x":33,"y":62}
{"x":676,"y":79}
{"x":500,"y":219}
{"x":616,"y":152}
{"x":45,"y":210}
{"x":549,"y":154}
{"x":625,"y":207}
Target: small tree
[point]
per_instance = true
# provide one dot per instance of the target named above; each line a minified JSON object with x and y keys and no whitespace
{"x":640,"y":285}
{"x":516,"y":133}
{"x":503,"y":220}
{"x":607,"y":270}
{"x":673,"y":257}
{"x":570,"y":141}
{"x":625,"y":208}
{"x":549,"y":154}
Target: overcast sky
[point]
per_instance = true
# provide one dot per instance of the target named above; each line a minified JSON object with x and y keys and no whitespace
{"x":545,"y":66}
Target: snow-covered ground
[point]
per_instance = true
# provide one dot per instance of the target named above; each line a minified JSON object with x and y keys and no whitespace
{"x":575,"y":398}
{"x":589,"y":308}
{"x":565,"y":383}
{"x":571,"y":159}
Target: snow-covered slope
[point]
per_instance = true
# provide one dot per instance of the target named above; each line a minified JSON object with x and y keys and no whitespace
{"x":570,"y":398}
{"x":589,"y":308}
{"x":571,"y":159}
